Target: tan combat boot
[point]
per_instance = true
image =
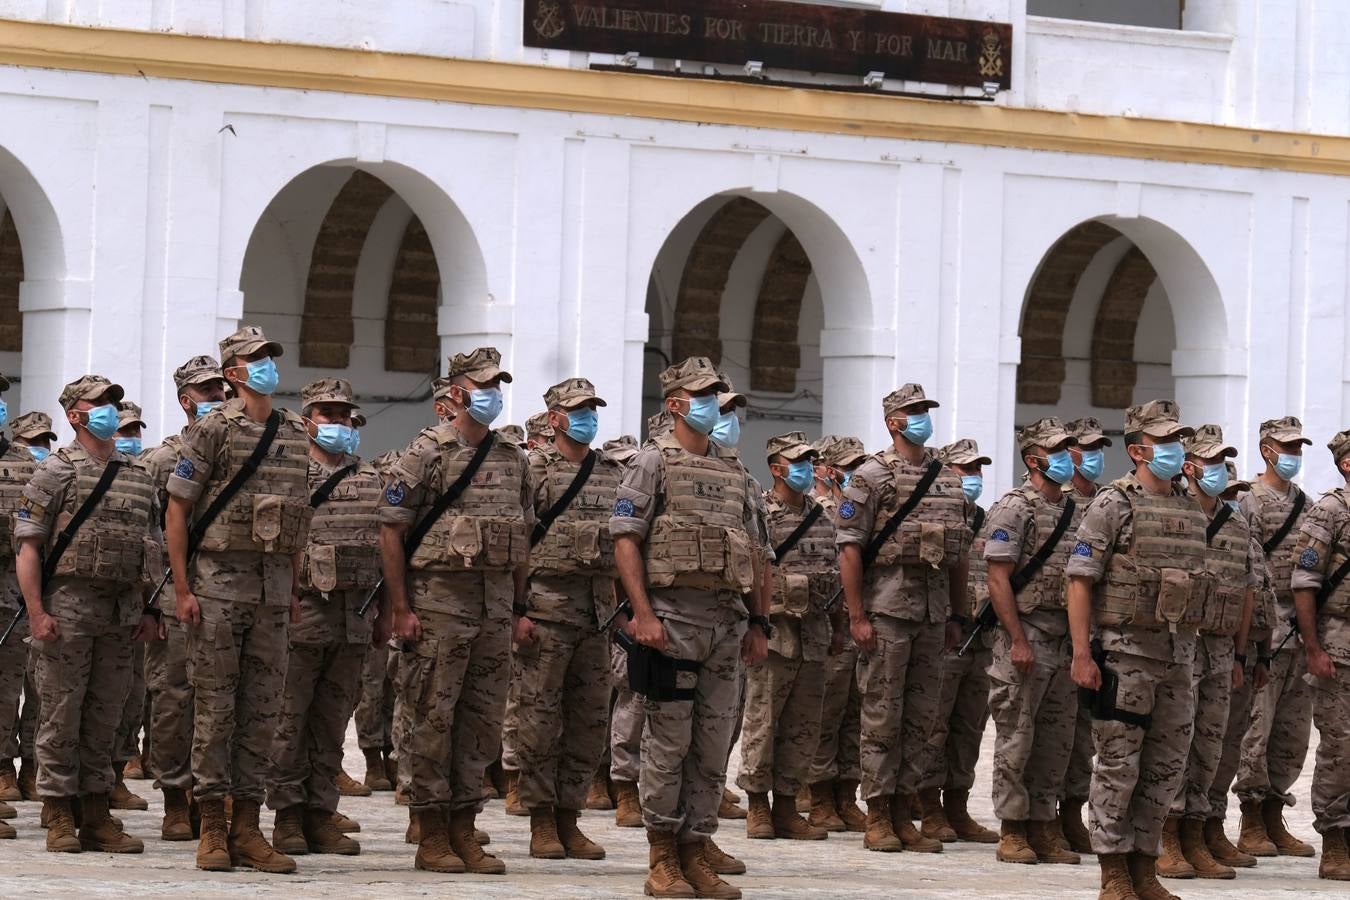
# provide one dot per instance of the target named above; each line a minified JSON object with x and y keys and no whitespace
{"x":701,"y":877}
{"x":1116,"y":882}
{"x":1252,"y":837}
{"x":177,"y":824}
{"x":7,"y":832}
{"x":730,"y":808}
{"x":122,"y":797}
{"x":1072,"y":827}
{"x":759,"y":820}
{"x":100,"y":832}
{"x":823,"y":813}
{"x":349,"y":787}
{"x":1172,"y":863}
{"x":627,"y":809}
{"x":1043,"y":839}
{"x":965,"y":828}
{"x":1335,"y":864}
{"x":846,"y":802}
{"x":7,"y":811}
{"x":1144,"y":876}
{"x":377,"y":777}
{"x":413,"y":833}
{"x":720,"y":861}
{"x":513,"y":805}
{"x":322,"y":835}
{"x":804,"y":800}
{"x":574,"y":842}
{"x":464,"y":841}
{"x":28,"y":780}
{"x":1196,"y":850}
{"x":788,"y":824}
{"x":880,"y":835}
{"x":1012,"y":844}
{"x":544,"y":843}
{"x":9,"y":782}
{"x":597,"y":796}
{"x":344,"y":823}
{"x":213,"y":852}
{"x":1222,"y":849}
{"x":59,"y":815}
{"x":287,"y":834}
{"x":664,"y":877}
{"x":248,"y":846}
{"x":433,"y":842}
{"x":934,"y":823}
{"x":1272,"y":813}
{"x":134,"y":768}
{"x":902,"y":823}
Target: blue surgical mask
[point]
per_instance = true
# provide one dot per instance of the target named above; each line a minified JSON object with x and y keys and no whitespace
{"x":918,"y":428}
{"x":129,"y":446}
{"x":354,"y":442}
{"x":1094,"y":461}
{"x":972,"y":486}
{"x":582,"y":424}
{"x":485,"y":405}
{"x":205,"y":406}
{"x":727,"y":431}
{"x":262,"y":375}
{"x":848,"y":476}
{"x":4,"y":412}
{"x":800,"y":475}
{"x":39,"y":453}
{"x":1233,"y":505}
{"x":1167,"y":460}
{"x":333,"y":437}
{"x":703,"y":414}
{"x":1059,"y":467}
{"x":1214,"y":480}
{"x":102,"y":421}
{"x":1287,"y":466}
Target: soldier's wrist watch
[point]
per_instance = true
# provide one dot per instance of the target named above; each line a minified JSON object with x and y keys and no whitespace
{"x":763,"y":623}
{"x":1241,"y":659}
{"x":519,"y":609}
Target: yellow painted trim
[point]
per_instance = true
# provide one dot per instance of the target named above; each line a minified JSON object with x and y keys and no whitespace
{"x":294,"y":66}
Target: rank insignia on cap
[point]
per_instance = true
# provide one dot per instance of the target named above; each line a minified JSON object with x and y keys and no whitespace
{"x":847,"y":510}
{"x":1083,"y":548}
{"x":1308,"y":559}
{"x":999,"y":534}
{"x":394,"y":494}
{"x":185,"y":468}
{"x":623,"y":507}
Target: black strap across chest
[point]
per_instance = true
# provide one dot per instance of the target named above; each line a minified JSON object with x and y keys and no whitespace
{"x":320,"y":496}
{"x":797,"y":533}
{"x":920,"y":491}
{"x":67,"y":534}
{"x":1283,"y":532}
{"x":557,"y":509}
{"x":452,"y":493}
{"x":234,"y":484}
{"x":1022,"y":577}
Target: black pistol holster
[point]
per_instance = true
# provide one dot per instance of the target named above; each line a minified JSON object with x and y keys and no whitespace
{"x":653,"y":674}
{"x":1101,"y":703}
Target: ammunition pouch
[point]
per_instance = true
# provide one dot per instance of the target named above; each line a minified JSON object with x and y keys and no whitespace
{"x":653,"y":674}
{"x":1101,"y":703}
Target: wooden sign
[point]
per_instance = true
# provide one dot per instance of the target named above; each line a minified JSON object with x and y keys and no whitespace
{"x":833,"y":39}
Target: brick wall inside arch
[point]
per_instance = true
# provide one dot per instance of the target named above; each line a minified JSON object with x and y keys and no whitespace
{"x":1114,"y":370}
{"x":11,"y":276}
{"x":411,"y":341}
{"x":775,"y":354}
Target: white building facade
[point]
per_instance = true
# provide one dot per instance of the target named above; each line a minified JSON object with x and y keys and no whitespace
{"x":1148,"y":211}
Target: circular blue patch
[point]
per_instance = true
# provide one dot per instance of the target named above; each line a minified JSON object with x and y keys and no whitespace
{"x":185,"y":468}
{"x":23,"y":514}
{"x":847,"y":510}
{"x":623,"y":507}
{"x":1083,"y":548}
{"x":1308,"y":559}
{"x":999,"y":534}
{"x":395,"y":493}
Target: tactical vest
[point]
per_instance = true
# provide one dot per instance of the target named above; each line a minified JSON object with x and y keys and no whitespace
{"x":578,"y":541}
{"x":16,"y":469}
{"x":935,"y":533}
{"x":1226,"y":577}
{"x":807,"y":575}
{"x":1156,"y":581}
{"x":1046,"y":590}
{"x":698,"y":538}
{"x":1338,"y":604}
{"x":344,"y":537}
{"x":484,"y":530}
{"x":1274,"y":510}
{"x":270,"y":512}
{"x":112,"y":544}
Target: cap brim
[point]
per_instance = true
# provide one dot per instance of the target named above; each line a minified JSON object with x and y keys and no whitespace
{"x":112,"y":392}
{"x":575,"y":403}
{"x":926,"y":404}
{"x":732,"y":397}
{"x":121,"y":425}
{"x":1289,"y":437}
{"x":848,"y":460}
{"x":273,"y":349}
{"x":702,"y":383}
{"x":1093,"y":441}
{"x":796,"y":452}
{"x":970,"y":461}
{"x":4,"y":383}
{"x":1236,"y":487}
{"x":1168,"y":430}
{"x":491,"y":373}
{"x":203,"y":378}
{"x":1211,"y":450}
{"x":30,"y":435}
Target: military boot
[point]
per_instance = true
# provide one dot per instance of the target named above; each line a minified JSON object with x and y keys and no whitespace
{"x":759,"y":820}
{"x":823,"y":813}
{"x":574,"y":842}
{"x":880,"y":834}
{"x":1252,"y":837}
{"x":122,"y":797}
{"x":28,"y":780}
{"x":1072,"y":827}
{"x":934,"y":823}
{"x":248,"y":846}
{"x":1172,"y":863}
{"x":544,"y":843}
{"x":902,"y":822}
{"x":100,"y":832}
{"x":349,"y":787}
{"x":322,"y":834}
{"x":1043,"y":839}
{"x":177,"y":826}
{"x":377,"y":778}
{"x":804,"y":800}
{"x":1116,"y":882}
{"x":7,"y":832}
{"x":1144,"y":877}
{"x":846,"y":802}
{"x":464,"y":841}
{"x":9,"y":782}
{"x":722,"y":862}
{"x":597,"y":795}
{"x":788,"y":823}
{"x":965,"y":828}
{"x":730,"y":808}
{"x":627,"y":809}
{"x":134,"y":768}
{"x":1196,"y":850}
{"x":213,"y":852}
{"x":344,"y":823}
{"x":1335,"y":863}
{"x":433,"y":842}
{"x":60,"y":819}
{"x":701,"y":877}
{"x":1012,"y":844}
{"x":513,"y":805}
{"x":7,"y":811}
{"x":664,"y":876}
{"x":288,"y":835}
{"x":413,"y":833}
{"x":1272,"y":813}
{"x":1222,"y":849}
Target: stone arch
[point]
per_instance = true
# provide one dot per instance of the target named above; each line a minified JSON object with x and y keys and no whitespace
{"x":410,"y":343}
{"x":1114,"y":370}
{"x":11,"y":277}
{"x":775,"y":353}
{"x":698,"y":305}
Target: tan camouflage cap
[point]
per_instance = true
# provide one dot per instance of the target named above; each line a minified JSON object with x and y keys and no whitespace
{"x":660,"y":424}
{"x":440,"y":387}
{"x":621,"y":449}
{"x":197,"y":370}
{"x":90,"y":387}
{"x":358,"y":421}
{"x":536,"y":426}
{"x":248,"y":340}
{"x":906,"y":395}
{"x":571,"y":393}
{"x":1207,"y":443}
{"x":1235,"y":484}
{"x":1088,"y":432}
{"x":730,"y":398}
{"x":964,"y":452}
{"x":1047,"y":433}
{"x":697,"y":373}
{"x":128,"y":414}
{"x":4,"y":384}
{"x":1288,"y":430}
{"x":327,"y":390}
{"x":513,"y":433}
{"x":1157,"y":419}
{"x":840,"y":451}
{"x":1339,"y":445}
{"x":792,"y":446}
{"x":482,"y":365}
{"x":33,"y":425}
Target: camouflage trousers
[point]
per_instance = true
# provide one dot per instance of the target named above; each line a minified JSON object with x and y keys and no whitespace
{"x":963,"y":711}
{"x":375,"y":707}
{"x":840,"y":720}
{"x":1137,"y":772}
{"x":83,"y":684}
{"x":133,"y":711}
{"x":13,"y":671}
{"x":563,"y":707}
{"x":685,"y":743}
{"x":1239,"y":717}
{"x":1277,"y":739}
{"x":1212,"y":686}
{"x":1331,"y":771}
{"x":399,"y":730}
{"x":901,"y":686}
{"x":237,"y":662}
{"x":454,"y":695}
{"x":322,"y":681}
{"x":781,"y":726}
{"x":626,"y":721}
{"x":171,"y":707}
{"x":1078,"y":777}
{"x":511,"y":720}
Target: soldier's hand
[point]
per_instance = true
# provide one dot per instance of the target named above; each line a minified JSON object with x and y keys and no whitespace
{"x":1023,"y":657}
{"x":407,"y":627}
{"x":44,"y":628}
{"x":864,"y":635}
{"x":380,"y":630}
{"x":1260,"y":676}
{"x":189,"y":610}
{"x":951,"y":636}
{"x":148,"y":629}
{"x":754,"y":646}
{"x":522,"y":631}
{"x":1320,"y":664}
{"x":1238,"y":677}
{"x":1085,"y":672}
{"x":649,"y":631}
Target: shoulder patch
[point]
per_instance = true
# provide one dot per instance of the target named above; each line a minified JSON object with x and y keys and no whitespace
{"x":1000,"y":534}
{"x":395,"y":494}
{"x":1308,"y":559}
{"x":847,"y":510}
{"x":23,"y":514}
{"x":623,"y":507}
{"x":1082,"y":548}
{"x":185,"y":468}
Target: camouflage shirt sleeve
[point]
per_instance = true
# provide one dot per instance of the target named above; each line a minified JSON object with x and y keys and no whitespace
{"x":43,"y":498}
{"x":197,"y":456}
{"x":1105,"y":519}
{"x":405,"y":482}
{"x":636,"y":501}
{"x":857,"y":510}
{"x":527,"y":483}
{"x":1007,"y":529}
{"x":539,"y":479}
{"x":1321,"y":531}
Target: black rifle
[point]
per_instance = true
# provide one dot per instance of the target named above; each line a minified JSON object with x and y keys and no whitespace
{"x":1323,"y":594}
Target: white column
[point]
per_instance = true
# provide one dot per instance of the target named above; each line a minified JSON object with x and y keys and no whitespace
{"x":55,"y":342}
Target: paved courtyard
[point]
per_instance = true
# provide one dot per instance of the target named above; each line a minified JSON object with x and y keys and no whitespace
{"x":838,"y":867}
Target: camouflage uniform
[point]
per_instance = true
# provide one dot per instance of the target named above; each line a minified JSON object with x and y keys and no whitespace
{"x":127,"y":745}
{"x":375,"y":706}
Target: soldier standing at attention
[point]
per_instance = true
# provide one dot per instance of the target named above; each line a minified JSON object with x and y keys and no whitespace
{"x":685,"y":529}
{"x":1136,"y":568}
{"x":452,"y":601}
{"x":84,"y":589}
{"x":235,"y":592}
{"x":898,"y":608}
{"x":328,"y":645}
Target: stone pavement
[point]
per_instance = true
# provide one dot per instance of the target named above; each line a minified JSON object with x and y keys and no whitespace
{"x":838,"y":867}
